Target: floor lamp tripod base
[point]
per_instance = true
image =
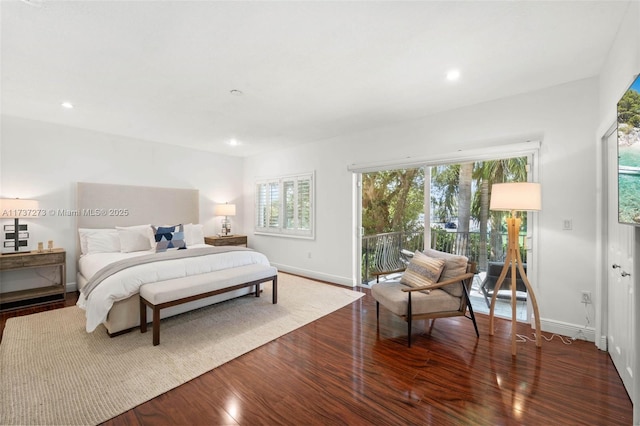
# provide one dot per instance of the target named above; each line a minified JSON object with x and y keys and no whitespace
{"x":513,"y":262}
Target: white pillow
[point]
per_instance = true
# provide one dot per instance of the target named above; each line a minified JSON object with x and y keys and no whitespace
{"x":194,"y":234}
{"x":136,"y":238}
{"x":85,"y":232}
{"x":103,"y":242}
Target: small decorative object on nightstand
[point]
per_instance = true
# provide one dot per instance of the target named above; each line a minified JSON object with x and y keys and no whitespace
{"x":225,"y":210}
{"x":235,"y":240}
{"x":16,"y":236}
{"x":40,"y":295}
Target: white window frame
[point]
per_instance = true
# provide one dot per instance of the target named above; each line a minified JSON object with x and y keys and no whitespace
{"x":263,"y":223}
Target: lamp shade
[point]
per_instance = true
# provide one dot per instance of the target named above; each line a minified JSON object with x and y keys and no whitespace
{"x":225,"y":210}
{"x":11,"y":208}
{"x":515,"y":196}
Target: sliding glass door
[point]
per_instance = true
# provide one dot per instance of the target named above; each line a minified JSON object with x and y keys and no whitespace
{"x":443,"y":206}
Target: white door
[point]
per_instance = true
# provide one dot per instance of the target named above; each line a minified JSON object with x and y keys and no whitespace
{"x":620,"y":326}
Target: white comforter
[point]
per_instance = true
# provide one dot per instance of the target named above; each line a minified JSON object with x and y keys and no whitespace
{"x":127,"y":282}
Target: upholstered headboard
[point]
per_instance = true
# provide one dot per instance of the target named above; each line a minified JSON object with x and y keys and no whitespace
{"x":102,"y":205}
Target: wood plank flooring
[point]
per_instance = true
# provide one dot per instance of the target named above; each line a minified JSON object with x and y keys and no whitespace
{"x":343,"y":370}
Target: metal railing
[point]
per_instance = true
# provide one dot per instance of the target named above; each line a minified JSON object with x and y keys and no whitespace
{"x":388,"y":252}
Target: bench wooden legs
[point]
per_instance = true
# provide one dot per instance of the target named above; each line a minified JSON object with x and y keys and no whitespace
{"x":156,"y":308}
{"x":143,"y":316}
{"x":156,"y":320}
{"x":274,"y":296}
{"x":273,"y":279}
{"x":156,"y":326}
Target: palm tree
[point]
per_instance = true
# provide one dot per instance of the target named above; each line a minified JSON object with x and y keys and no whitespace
{"x":444,"y":191}
{"x":392,"y":201}
{"x":484,"y":213}
{"x":464,"y":197}
{"x":486,"y":174}
{"x":452,"y":184}
{"x":464,"y":206}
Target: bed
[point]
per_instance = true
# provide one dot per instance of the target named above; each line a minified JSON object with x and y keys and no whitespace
{"x":112,"y":222}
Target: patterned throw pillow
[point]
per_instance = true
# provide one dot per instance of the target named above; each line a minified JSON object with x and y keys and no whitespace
{"x":169,"y":238}
{"x":454,"y":266}
{"x":422,"y":270}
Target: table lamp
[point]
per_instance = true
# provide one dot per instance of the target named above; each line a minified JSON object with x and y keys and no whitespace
{"x":225,"y":210}
{"x":16,"y":208}
{"x":516,"y":196}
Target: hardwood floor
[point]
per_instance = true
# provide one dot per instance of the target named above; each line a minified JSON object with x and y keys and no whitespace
{"x":342,"y":369}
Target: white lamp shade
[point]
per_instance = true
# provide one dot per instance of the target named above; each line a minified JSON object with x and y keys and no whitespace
{"x":11,"y":208}
{"x":225,"y":210}
{"x":516,"y":196}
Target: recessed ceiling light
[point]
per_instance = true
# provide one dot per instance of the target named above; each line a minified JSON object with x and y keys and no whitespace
{"x":233,"y":142}
{"x":236,"y":92}
{"x":453,"y":75}
{"x":67,"y":105}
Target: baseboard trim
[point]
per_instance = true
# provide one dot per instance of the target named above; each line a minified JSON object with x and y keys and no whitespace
{"x":569,"y":330}
{"x":334,"y":279}
{"x":565,"y":329}
{"x":71,"y":287}
{"x":603,"y":346}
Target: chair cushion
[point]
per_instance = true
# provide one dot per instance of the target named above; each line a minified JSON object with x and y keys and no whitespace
{"x":422,"y":270}
{"x":390,"y":295}
{"x":454,"y":266}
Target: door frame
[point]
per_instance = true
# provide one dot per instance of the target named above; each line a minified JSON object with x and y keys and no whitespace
{"x":529,"y":149}
{"x":602,"y":287}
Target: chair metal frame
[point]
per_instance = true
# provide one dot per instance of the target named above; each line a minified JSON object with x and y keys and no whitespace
{"x":465,"y":281}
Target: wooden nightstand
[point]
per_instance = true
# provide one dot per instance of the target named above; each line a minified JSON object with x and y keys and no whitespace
{"x":34,"y":296}
{"x":232,"y":240}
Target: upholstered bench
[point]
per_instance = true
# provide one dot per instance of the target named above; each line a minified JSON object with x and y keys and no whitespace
{"x":164,"y":294}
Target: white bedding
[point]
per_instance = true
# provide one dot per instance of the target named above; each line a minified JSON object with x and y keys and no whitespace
{"x":126,"y":283}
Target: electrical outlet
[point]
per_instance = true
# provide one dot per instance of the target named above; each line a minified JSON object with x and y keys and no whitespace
{"x":586,"y":297}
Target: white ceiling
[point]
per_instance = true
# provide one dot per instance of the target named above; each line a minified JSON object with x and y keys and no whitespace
{"x":163,"y":71}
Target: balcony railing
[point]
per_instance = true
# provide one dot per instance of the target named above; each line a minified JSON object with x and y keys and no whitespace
{"x":389,"y":252}
{"x":386,"y":252}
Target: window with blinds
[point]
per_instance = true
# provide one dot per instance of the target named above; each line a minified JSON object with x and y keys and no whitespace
{"x":284,"y":206}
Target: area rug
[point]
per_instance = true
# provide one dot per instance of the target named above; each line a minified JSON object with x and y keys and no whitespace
{"x":53,"y":372}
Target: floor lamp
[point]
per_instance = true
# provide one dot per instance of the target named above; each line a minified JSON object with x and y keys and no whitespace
{"x":517,"y":196}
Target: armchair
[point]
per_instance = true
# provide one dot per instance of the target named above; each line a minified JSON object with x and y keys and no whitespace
{"x":440,"y":294}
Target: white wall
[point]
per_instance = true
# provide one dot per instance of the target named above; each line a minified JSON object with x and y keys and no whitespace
{"x":329,"y":256}
{"x":44,"y":161}
{"x":621,"y":66}
{"x":563,"y":117}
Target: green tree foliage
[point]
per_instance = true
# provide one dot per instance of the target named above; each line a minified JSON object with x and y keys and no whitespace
{"x":392,"y":201}
{"x":486,"y":173}
{"x":629,"y":109}
{"x":464,"y":196}
{"x":496,"y":171}
{"x":444,"y":192}
{"x":446,"y":184}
